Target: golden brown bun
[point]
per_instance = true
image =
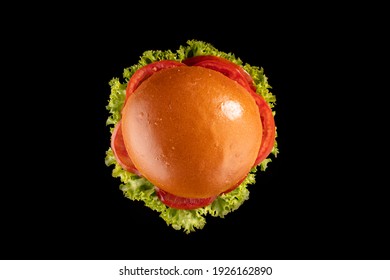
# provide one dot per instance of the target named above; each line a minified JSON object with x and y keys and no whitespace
{"x":191,"y":131}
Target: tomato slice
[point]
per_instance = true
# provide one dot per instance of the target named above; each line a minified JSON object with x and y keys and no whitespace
{"x":120,"y":152}
{"x":146,"y":71}
{"x":225,"y":66}
{"x":269,"y":130}
{"x":182,"y":202}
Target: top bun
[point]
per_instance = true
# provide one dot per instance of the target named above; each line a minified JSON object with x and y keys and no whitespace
{"x":191,"y":131}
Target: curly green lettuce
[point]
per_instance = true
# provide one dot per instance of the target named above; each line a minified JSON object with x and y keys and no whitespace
{"x":140,"y":189}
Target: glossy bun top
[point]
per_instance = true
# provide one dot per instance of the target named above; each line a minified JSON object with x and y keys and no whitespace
{"x":191,"y":131}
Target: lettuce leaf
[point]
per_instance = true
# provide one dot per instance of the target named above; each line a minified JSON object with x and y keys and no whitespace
{"x":139,"y":189}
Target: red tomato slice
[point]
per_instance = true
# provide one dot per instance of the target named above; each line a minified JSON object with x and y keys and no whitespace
{"x":269,"y":130}
{"x":181,"y":202}
{"x":146,"y":71}
{"x":224,"y":66}
{"x":119,"y":149}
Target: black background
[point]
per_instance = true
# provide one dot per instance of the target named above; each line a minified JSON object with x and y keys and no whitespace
{"x":320,"y":199}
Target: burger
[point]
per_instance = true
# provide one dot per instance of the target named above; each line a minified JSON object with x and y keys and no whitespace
{"x":189,"y":131}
